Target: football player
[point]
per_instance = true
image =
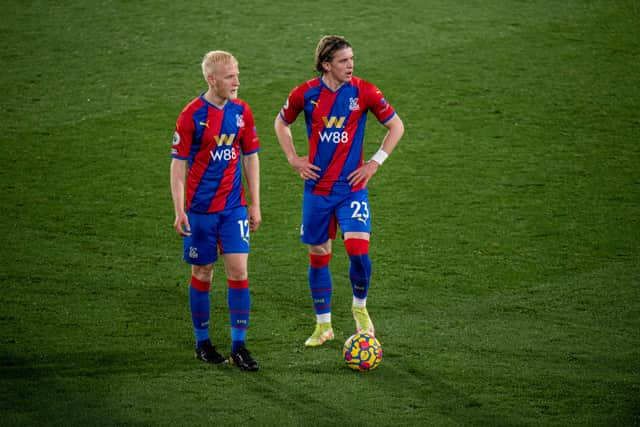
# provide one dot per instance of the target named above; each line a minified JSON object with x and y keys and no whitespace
{"x":335,"y":106}
{"x":214,"y":141}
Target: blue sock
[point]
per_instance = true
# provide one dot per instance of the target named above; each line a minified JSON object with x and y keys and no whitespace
{"x":320,"y":283}
{"x":239,"y":301}
{"x":360,"y":266}
{"x":200,"y":306}
{"x":360,"y":273}
{"x":200,"y":309}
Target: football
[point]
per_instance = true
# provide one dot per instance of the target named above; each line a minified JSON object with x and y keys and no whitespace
{"x":362,"y":352}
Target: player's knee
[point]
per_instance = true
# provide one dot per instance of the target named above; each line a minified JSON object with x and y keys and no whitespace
{"x":237,"y":272}
{"x":235,"y":266}
{"x":322,"y":249}
{"x":202,"y":272}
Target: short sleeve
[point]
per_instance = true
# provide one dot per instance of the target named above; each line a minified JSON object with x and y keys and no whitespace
{"x":293,"y":105}
{"x":249,"y":142}
{"x":182,"y":136}
{"x":378,"y":105}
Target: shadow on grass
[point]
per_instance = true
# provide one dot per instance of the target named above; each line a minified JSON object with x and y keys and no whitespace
{"x":76,"y":388}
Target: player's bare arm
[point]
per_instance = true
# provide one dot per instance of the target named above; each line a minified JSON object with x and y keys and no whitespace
{"x":368,"y":169}
{"x":178,"y":173}
{"x":251,"y":165}
{"x":301,"y":164}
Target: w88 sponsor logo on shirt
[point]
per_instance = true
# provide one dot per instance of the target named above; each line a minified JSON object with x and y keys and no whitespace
{"x":335,"y":136}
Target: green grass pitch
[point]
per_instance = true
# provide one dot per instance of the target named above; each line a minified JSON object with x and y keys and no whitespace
{"x":505,"y":249}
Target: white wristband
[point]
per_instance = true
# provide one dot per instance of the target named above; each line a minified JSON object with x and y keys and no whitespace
{"x":380,"y":156}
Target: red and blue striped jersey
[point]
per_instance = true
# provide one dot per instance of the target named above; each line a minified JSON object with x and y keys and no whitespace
{"x":335,"y":127}
{"x":212,"y":140}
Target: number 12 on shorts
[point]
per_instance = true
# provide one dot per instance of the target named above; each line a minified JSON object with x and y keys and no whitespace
{"x":244,"y":229}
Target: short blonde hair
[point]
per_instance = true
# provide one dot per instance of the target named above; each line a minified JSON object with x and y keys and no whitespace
{"x":213,"y":58}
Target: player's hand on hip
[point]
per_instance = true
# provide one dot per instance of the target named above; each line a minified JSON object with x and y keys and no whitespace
{"x":181,"y":225}
{"x":363,"y":174}
{"x":305,"y":169}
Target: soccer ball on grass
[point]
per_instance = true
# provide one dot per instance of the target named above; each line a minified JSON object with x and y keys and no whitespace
{"x":362,"y":352}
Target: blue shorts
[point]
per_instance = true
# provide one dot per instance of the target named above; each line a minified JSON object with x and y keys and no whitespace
{"x":226,"y":231}
{"x":322,"y":214}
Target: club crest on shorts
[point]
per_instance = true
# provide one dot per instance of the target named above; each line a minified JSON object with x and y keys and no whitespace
{"x":193,"y":252}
